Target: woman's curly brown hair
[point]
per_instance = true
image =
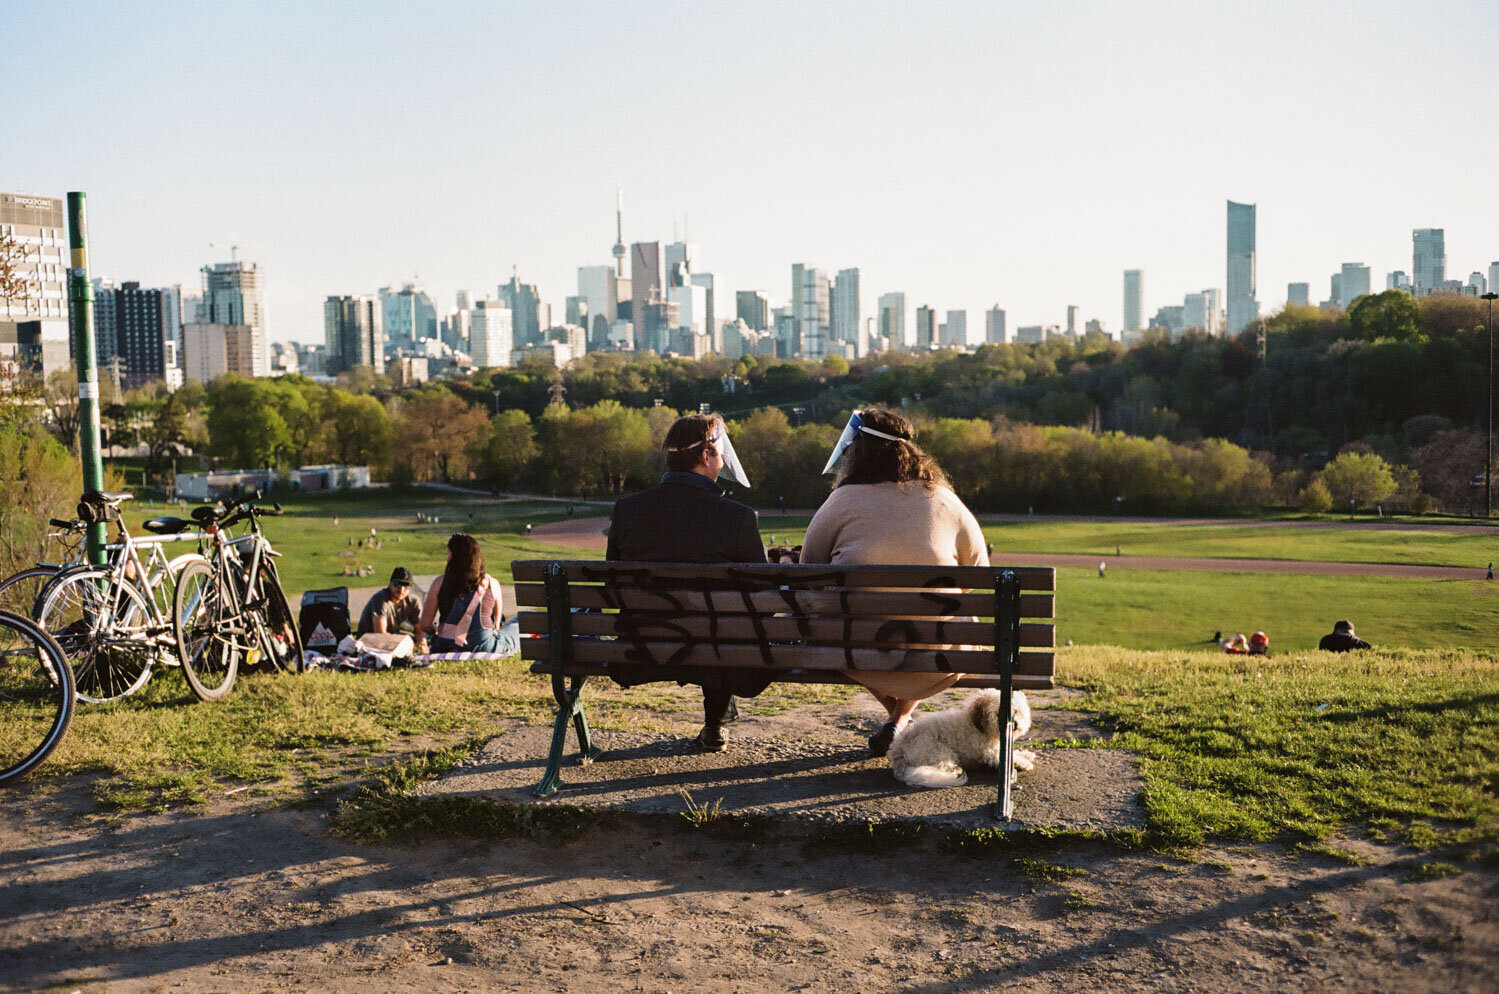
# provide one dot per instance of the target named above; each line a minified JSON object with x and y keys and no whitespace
{"x":462,"y":575}
{"x":871,"y":459}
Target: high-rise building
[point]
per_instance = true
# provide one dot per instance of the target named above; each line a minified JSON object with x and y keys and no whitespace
{"x":1071,"y":320}
{"x":994,"y":326}
{"x":524,"y":302}
{"x":753,"y":308}
{"x":926,"y":328}
{"x":1298,"y":293}
{"x":1334,"y":291}
{"x":142,"y":333}
{"x":1397,"y":281}
{"x":34,"y":324}
{"x":892,"y":324}
{"x":233,"y":294}
{"x":353,"y":330}
{"x":810,"y":307}
{"x":600,"y":286}
{"x":1134,"y":313}
{"x":212,"y":349}
{"x":1353,"y":283}
{"x":409,"y":315}
{"x":709,"y":285}
{"x":106,"y":327}
{"x":1197,"y":309}
{"x":646,"y":289}
{"x":1243,"y":308}
{"x":1428,"y":259}
{"x":491,"y":334}
{"x":843,"y":310}
{"x":1477,"y":284}
{"x":955,"y":330}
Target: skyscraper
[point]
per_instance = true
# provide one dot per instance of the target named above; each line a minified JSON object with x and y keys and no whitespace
{"x":646,"y":290}
{"x":491,"y":334}
{"x":892,"y":325}
{"x":926,"y":328}
{"x":233,"y":295}
{"x":1298,"y":293}
{"x":524,"y":302}
{"x":994,"y":326}
{"x":141,"y":334}
{"x":1134,"y":308}
{"x":848,"y":341}
{"x":810,"y":306}
{"x":1071,"y":320}
{"x":1429,"y":259}
{"x":1354,"y":283}
{"x":1494,"y":276}
{"x":353,"y":328}
{"x":956,"y":333}
{"x":753,"y":308}
{"x":600,"y":286}
{"x":409,"y":315}
{"x":1397,"y":281}
{"x":34,"y":324}
{"x":1243,"y":308}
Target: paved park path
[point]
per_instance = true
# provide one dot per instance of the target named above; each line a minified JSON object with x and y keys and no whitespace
{"x":587,"y":534}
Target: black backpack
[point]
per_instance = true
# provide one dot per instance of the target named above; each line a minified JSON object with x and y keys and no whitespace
{"x":324,"y":618}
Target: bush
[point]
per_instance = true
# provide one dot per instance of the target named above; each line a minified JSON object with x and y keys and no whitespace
{"x":1315,"y":498}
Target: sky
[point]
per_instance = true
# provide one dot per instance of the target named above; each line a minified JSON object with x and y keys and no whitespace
{"x":968,"y":154}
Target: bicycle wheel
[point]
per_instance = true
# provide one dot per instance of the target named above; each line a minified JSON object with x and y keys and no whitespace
{"x":22,"y":591}
{"x":282,"y":639}
{"x":36,"y":695}
{"x":104,"y":625}
{"x":202,"y":615}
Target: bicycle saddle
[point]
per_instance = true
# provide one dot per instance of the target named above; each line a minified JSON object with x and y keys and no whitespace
{"x":101,"y":497}
{"x":168,"y":525}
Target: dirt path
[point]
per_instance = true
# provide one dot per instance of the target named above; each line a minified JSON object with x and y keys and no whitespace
{"x":587,"y":534}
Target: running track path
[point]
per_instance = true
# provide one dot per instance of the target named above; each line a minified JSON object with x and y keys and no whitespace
{"x":587,"y":534}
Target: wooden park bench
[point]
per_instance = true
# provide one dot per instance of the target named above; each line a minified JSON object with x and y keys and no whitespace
{"x":803,"y":622}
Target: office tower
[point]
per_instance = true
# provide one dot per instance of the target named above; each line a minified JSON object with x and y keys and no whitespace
{"x":1172,"y":319}
{"x":1243,"y":308}
{"x":600,"y":285}
{"x":1215,"y":315}
{"x":1071,"y":320}
{"x":1094,"y":325}
{"x":709,"y":285}
{"x":1477,"y":285}
{"x":1353,"y":283}
{"x":232,"y":296}
{"x":678,"y":258}
{"x":212,"y":349}
{"x":354,"y":331}
{"x":454,"y":328}
{"x":810,"y":306}
{"x":527,"y":315}
{"x":105,"y":326}
{"x":691,"y":308}
{"x":926,"y":328}
{"x":141,"y":334}
{"x":1428,"y":259}
{"x":1298,"y":293}
{"x":787,"y":332}
{"x":409,"y":315}
{"x":1033,"y":333}
{"x":892,"y":325}
{"x":34,"y":323}
{"x":575,"y":312}
{"x":1334,"y":291}
{"x":844,"y":318}
{"x":994,"y":326}
{"x":571,"y":335}
{"x":955,"y":330}
{"x":753,"y":308}
{"x":646,"y":289}
{"x":1195,"y":309}
{"x":491,"y":334}
{"x":1134,"y":288}
{"x":734,"y":335}
{"x":1397,"y":281}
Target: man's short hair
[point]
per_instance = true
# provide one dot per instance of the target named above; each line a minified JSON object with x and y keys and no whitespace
{"x":1343,"y":626}
{"x":685,"y":440}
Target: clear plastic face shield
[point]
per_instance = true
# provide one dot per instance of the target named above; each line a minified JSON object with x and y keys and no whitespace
{"x":733,"y":469}
{"x":850,"y":432}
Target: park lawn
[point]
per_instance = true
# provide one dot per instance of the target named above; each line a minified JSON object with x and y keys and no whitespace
{"x":1162,"y":609}
{"x":1402,"y":745}
{"x":1291,"y":539}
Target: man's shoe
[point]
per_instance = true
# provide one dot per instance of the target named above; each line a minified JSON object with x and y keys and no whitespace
{"x":879,"y":742}
{"x":710,"y":739}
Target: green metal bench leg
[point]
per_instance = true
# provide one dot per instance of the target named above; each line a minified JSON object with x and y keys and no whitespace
{"x":1007,"y":773}
{"x":1007,"y":651}
{"x":552,"y":779}
{"x":587,"y":750}
{"x":569,"y":706}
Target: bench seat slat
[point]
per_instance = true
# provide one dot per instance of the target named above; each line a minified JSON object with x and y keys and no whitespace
{"x":861,"y":603}
{"x":789,"y":657}
{"x":815,"y":630}
{"x":1022,"y":681}
{"x":1038,"y":578}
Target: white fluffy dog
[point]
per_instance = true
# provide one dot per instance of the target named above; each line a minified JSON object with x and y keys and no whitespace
{"x":932,"y":749}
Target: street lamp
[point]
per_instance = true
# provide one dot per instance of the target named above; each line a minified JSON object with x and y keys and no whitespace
{"x":496,"y":400}
{"x":1488,"y":463}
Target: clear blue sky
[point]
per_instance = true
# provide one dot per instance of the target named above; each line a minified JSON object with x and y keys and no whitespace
{"x":966,"y":153}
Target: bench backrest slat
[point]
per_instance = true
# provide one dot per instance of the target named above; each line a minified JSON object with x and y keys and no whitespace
{"x":769,"y":575}
{"x":883,"y":603}
{"x":856,"y":632}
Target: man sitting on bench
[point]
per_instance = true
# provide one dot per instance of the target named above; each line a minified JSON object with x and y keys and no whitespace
{"x":687,"y":519}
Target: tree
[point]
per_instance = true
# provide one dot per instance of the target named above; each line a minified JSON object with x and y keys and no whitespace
{"x":1393,"y":314}
{"x":1361,"y":477}
{"x":1315,"y":498}
{"x":434,"y":431}
{"x":506,"y":450}
{"x":356,"y":430}
{"x":245,"y":428}
{"x":39,"y":478}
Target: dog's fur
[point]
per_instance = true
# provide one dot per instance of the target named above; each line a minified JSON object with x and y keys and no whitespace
{"x":931,"y":750}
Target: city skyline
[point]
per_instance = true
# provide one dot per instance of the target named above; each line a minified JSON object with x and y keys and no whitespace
{"x":1056,"y":188}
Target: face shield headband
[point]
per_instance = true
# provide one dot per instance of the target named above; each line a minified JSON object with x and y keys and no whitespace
{"x":850,"y":432}
{"x":733,"y":469}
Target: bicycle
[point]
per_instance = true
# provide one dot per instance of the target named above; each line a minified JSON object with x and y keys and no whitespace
{"x":36,"y":695}
{"x":229,"y":604}
{"x":113,"y":620}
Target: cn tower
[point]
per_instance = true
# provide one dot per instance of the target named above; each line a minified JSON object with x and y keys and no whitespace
{"x":619,"y":234}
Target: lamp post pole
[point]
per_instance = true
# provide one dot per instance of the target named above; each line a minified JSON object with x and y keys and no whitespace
{"x":81,"y":322}
{"x":1488,"y":463}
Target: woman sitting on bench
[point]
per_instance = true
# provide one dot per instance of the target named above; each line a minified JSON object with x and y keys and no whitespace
{"x":892,"y":504}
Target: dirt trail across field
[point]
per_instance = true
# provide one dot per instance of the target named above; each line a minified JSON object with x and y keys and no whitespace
{"x":587,"y":534}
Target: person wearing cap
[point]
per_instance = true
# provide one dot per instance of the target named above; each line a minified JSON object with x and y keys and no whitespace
{"x":687,"y":519}
{"x":1259,"y":644}
{"x":891,"y":503}
{"x":1342,"y":638}
{"x":393,"y":609}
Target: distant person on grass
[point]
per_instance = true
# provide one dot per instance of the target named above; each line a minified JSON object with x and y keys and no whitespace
{"x":463,"y":607}
{"x":1342,"y":638}
{"x":891,"y":503}
{"x":394,"y":609}
{"x":687,"y":519}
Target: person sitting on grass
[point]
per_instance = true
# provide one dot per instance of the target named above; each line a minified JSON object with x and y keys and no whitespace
{"x":394,"y":609}
{"x":463,"y":607}
{"x":1342,"y":639}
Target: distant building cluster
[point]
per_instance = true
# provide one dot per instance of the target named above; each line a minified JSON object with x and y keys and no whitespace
{"x":654,"y":296}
